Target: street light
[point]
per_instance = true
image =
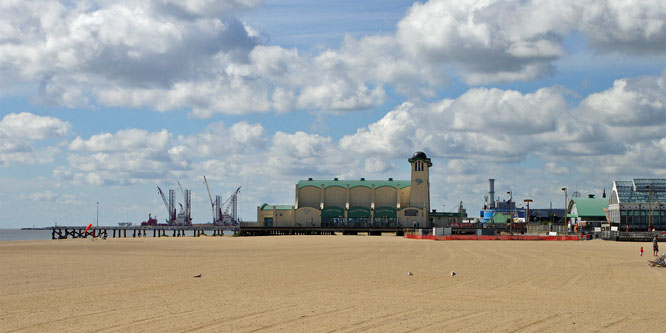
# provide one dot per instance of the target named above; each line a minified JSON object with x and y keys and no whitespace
{"x":97,"y":213}
{"x":527,"y":201}
{"x":566,"y":208}
{"x":510,"y":193}
{"x":650,"y":203}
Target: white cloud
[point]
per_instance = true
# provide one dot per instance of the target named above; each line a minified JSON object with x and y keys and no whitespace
{"x":134,"y":155}
{"x":499,"y":41}
{"x":49,"y":196}
{"x":21,"y":135}
{"x":553,"y":168}
{"x":29,"y":126}
{"x":633,"y":27}
{"x":507,"y":126}
{"x":125,"y":157}
{"x":630,"y":102}
{"x":124,"y":140}
{"x":168,"y":55}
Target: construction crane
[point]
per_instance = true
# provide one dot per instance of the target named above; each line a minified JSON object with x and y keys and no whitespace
{"x":185,"y":212}
{"x":166,"y":204}
{"x":233,"y":204}
{"x":181,"y":190}
{"x":212,"y":204}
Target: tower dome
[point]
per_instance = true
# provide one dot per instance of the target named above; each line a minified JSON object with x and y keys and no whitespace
{"x":419,"y":154}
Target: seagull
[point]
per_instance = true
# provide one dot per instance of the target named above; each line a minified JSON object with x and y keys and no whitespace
{"x":197,"y":276}
{"x":410,"y":273}
{"x":453,"y":273}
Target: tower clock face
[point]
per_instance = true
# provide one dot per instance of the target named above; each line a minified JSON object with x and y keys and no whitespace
{"x":418,"y":181}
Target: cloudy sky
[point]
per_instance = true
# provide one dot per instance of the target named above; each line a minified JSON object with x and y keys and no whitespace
{"x":100,"y":101}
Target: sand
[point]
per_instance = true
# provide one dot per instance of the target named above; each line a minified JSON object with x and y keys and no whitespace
{"x":328,"y":283}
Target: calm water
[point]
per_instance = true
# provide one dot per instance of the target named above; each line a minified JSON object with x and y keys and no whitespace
{"x":18,"y":235}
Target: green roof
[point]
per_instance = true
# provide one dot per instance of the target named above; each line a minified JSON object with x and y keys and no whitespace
{"x":500,"y":218}
{"x":277,"y":207}
{"x":354,"y":183}
{"x":590,"y":206}
{"x":445,"y":214}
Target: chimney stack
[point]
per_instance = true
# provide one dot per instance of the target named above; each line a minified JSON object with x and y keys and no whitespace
{"x":492,"y":193}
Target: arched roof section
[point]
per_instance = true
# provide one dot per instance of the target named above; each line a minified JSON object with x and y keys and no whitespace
{"x":354,"y":183}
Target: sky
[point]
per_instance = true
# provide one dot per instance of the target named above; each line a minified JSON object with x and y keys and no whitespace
{"x":101,"y":101}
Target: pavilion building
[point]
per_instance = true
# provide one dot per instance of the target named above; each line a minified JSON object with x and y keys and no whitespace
{"x":357,"y":203}
{"x":631,"y":204}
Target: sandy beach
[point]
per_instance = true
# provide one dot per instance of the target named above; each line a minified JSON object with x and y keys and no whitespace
{"x":328,"y":283}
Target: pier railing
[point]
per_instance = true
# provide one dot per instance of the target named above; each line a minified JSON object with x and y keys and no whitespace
{"x":64,"y":232}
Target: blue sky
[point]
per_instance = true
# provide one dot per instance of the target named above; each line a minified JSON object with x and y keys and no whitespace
{"x":100,"y":101}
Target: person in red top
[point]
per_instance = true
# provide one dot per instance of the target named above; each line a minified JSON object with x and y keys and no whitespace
{"x":641,"y":251}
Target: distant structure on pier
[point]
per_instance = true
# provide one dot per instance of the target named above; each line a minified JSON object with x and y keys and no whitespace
{"x":358,"y":203}
{"x":184,"y":217}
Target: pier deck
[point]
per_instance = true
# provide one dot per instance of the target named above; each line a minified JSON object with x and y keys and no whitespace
{"x":64,"y":232}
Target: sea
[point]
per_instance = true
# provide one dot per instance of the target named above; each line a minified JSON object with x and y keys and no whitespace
{"x":8,"y":235}
{"x":19,"y":235}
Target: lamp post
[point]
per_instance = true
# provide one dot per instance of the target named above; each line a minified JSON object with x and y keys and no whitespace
{"x":97,"y":213}
{"x":510,"y":193}
{"x":566,"y":208}
{"x":650,"y":209}
{"x":527,"y":201}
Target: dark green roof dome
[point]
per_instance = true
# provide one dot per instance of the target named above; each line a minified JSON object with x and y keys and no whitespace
{"x":420,"y":155}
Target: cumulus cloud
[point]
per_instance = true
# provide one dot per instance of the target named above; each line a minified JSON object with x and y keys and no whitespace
{"x":134,"y":155}
{"x":49,"y":196}
{"x":630,"y":102}
{"x":124,"y":157}
{"x":123,"y":140}
{"x":168,"y":55}
{"x":507,"y":126}
{"x":500,"y":41}
{"x":30,"y":126}
{"x":20,"y":132}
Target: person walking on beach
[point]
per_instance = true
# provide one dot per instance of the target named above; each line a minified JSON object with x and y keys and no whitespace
{"x":655,"y":246}
{"x":641,"y":251}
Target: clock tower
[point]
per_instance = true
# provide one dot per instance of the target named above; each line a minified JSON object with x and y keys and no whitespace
{"x":419,"y":193}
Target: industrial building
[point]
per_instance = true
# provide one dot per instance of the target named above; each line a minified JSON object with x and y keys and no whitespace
{"x":638,"y":205}
{"x":357,"y":203}
{"x":499,"y":211}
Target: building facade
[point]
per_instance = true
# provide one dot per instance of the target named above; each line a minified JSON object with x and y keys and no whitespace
{"x":588,"y":213}
{"x":638,"y":205}
{"x":357,"y":203}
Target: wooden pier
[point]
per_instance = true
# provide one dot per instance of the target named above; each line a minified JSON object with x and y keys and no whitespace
{"x":64,"y":232}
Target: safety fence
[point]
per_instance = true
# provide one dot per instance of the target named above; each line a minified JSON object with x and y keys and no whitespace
{"x":494,"y":237}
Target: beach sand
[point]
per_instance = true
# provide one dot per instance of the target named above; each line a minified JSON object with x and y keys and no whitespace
{"x":326,"y":283}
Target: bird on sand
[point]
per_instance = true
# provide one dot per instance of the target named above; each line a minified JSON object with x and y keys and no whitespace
{"x":197,"y":276}
{"x":410,"y":273}
{"x":453,"y":273}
